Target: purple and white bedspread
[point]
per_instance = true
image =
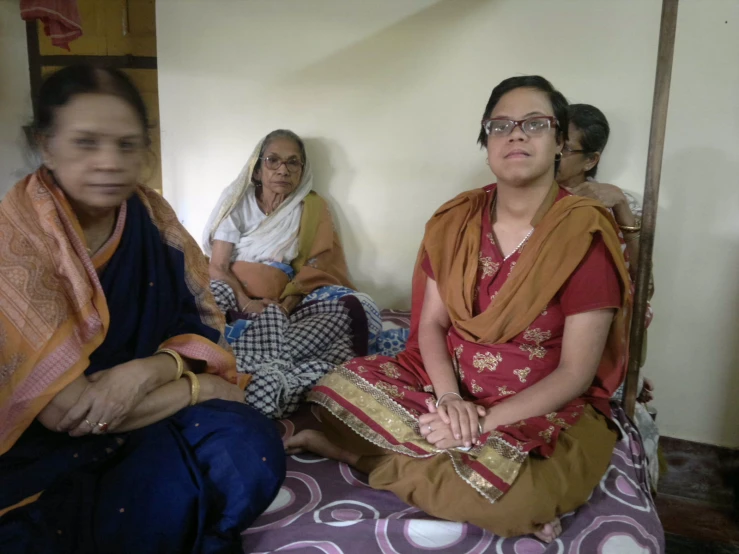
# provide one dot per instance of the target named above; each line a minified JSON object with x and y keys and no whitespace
{"x":325,"y":507}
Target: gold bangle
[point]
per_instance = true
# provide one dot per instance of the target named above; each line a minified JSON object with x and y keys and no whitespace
{"x":177,"y":359}
{"x":194,"y":387}
{"x":629,"y":229}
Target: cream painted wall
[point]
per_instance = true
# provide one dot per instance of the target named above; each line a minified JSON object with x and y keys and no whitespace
{"x":15,"y":102}
{"x":389,"y":96}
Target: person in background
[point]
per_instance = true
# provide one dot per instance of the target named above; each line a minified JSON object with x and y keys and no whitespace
{"x":123,"y":426}
{"x":279,"y":273}
{"x":588,"y":135}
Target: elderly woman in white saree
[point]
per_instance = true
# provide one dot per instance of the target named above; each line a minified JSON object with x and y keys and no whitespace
{"x":279,"y":273}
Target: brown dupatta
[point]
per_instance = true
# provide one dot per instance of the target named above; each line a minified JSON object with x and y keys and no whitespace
{"x":564,"y":232}
{"x":320,"y":260}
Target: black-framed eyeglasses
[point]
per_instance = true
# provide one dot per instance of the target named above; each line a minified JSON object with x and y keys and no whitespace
{"x":531,"y":126}
{"x":293,"y":165}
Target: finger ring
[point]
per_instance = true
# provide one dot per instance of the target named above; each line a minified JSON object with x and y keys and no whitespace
{"x":88,"y":422}
{"x":103,"y":426}
{"x":430,"y":429}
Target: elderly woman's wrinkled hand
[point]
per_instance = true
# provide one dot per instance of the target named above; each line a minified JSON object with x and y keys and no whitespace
{"x":257,"y":305}
{"x":213,"y":387}
{"x":106,"y":401}
{"x":647,"y":392}
{"x":607,"y":194}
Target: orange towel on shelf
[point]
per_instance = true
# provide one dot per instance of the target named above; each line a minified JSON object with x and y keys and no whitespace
{"x":61,"y":19}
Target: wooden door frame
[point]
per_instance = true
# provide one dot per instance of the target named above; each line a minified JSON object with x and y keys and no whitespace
{"x":36,"y":61}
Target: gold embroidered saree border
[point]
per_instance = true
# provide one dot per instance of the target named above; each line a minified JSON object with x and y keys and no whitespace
{"x":379,"y":396}
{"x":387,"y":414}
{"x":358,"y":426}
{"x":501,"y":459}
{"x":474,"y":479}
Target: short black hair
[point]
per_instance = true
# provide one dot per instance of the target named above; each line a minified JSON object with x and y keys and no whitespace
{"x":60,"y":87}
{"x":556,"y":98}
{"x":594,"y":127}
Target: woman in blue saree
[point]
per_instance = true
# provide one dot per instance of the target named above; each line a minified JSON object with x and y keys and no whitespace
{"x":123,"y":426}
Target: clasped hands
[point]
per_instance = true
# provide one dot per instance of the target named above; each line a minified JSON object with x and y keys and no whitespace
{"x":454,"y":423}
{"x":104,"y":400}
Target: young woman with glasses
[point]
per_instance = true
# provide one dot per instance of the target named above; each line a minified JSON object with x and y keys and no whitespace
{"x":498,"y":411}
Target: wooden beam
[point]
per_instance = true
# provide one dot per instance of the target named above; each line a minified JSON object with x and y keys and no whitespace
{"x":665,"y":53}
{"x":34,"y":60}
{"x":118,"y":62}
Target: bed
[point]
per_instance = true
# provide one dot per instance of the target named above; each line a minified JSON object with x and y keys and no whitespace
{"x":327,"y":507}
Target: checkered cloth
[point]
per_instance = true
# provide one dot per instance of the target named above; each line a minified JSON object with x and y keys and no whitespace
{"x":287,"y":356}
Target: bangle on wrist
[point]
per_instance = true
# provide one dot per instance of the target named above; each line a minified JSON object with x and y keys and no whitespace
{"x":438,"y":402}
{"x":629,"y":228}
{"x":194,"y":387}
{"x":177,"y":359}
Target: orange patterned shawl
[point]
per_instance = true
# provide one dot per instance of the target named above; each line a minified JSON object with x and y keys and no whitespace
{"x":53,"y":312}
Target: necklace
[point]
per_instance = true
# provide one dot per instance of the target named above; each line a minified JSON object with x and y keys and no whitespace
{"x":261,"y":205}
{"x":520,"y":244}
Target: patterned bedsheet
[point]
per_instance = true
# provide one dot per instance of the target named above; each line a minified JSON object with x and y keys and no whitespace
{"x":326,"y":507}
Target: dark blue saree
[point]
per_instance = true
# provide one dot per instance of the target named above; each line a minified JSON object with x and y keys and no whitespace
{"x":190,"y":483}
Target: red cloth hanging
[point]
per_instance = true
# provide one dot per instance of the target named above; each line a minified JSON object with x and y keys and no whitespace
{"x":61,"y":19}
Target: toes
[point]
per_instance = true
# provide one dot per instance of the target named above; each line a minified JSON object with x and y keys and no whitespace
{"x":550,"y":531}
{"x":556,"y":528}
{"x":292,"y":445}
{"x":546,"y":533}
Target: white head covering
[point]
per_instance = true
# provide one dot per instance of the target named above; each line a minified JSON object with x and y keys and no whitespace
{"x":277,"y":235}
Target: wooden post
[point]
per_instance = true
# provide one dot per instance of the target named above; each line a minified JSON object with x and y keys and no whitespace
{"x":651,"y":196}
{"x":34,"y":60}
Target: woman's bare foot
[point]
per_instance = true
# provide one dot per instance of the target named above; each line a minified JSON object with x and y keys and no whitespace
{"x":549,"y":531}
{"x":318,"y":443}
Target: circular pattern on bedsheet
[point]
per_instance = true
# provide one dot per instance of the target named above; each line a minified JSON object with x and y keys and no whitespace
{"x":343,"y":513}
{"x":613,"y":535}
{"x":619,"y":486}
{"x":300,"y":494}
{"x":328,"y":507}
{"x":397,"y":536}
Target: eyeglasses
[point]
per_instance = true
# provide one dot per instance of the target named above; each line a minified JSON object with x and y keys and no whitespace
{"x":533,"y":126}
{"x":566,"y":150}
{"x":293,"y":165}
